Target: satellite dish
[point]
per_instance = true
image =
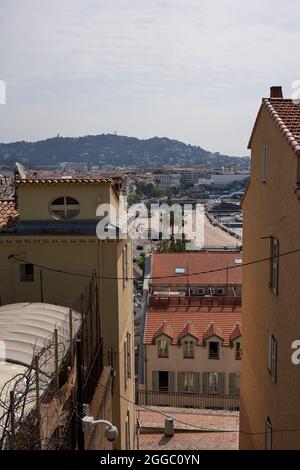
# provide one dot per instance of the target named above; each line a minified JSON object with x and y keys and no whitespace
{"x":20,"y":171}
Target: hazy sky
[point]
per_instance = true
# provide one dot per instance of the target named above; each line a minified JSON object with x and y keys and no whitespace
{"x":194,"y":70}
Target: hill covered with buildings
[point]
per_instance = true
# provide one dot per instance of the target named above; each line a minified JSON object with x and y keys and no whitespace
{"x":110,"y":150}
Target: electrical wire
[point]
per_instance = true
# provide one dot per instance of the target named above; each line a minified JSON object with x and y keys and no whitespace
{"x":187,"y":275}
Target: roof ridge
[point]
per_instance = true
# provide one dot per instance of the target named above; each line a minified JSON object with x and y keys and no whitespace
{"x":288,"y":135}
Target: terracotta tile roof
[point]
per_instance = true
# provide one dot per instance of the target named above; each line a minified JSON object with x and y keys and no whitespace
{"x":286,"y":115}
{"x":236,"y":332}
{"x":213,"y":330}
{"x":224,"y":319}
{"x":8,"y":215}
{"x":165,"y":264}
{"x":189,"y":329}
{"x":164,"y":329}
{"x":62,"y":181}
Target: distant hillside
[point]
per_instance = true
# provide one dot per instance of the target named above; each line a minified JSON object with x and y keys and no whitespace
{"x":114,"y":150}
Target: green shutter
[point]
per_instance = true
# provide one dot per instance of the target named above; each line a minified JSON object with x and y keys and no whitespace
{"x":185,"y":349}
{"x":180,"y":381}
{"x":222,"y":383}
{"x":205,"y":382}
{"x":232,"y":382}
{"x":197,"y":382}
{"x":171,"y":382}
{"x":155,"y":381}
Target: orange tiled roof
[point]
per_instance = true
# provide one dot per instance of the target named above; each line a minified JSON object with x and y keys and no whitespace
{"x":189,"y":329}
{"x":213,"y":330}
{"x":164,"y":329}
{"x":286,"y":115}
{"x":62,"y":180}
{"x":236,"y":332}
{"x":8,"y":215}
{"x":223,"y":318}
{"x":165,"y":264}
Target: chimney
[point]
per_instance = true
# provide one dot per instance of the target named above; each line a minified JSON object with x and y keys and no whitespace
{"x":276,"y":92}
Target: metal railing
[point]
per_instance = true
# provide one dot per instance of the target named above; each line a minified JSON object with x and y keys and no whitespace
{"x":195,"y":301}
{"x":188,"y":400}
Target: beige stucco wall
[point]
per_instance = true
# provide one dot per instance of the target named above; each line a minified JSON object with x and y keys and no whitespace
{"x":80,"y":254}
{"x":37,"y":208}
{"x":270,"y":209}
{"x":177,"y":363}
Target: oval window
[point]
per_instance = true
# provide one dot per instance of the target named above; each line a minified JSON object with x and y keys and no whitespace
{"x":65,"y":208}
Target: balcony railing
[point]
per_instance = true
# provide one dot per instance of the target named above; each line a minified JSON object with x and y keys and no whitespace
{"x":195,"y":301}
{"x":213,"y":355}
{"x":187,"y":400}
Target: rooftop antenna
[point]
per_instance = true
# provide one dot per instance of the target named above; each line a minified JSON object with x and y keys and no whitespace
{"x":20,"y":171}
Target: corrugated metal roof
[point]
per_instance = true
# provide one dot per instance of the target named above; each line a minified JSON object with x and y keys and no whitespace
{"x":25,"y":327}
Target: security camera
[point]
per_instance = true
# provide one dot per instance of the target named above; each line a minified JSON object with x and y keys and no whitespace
{"x":111,"y":433}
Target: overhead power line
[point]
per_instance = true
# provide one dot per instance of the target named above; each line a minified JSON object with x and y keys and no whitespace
{"x":167,"y":276}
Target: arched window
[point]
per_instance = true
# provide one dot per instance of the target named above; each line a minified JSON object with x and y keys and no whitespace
{"x":64,"y":207}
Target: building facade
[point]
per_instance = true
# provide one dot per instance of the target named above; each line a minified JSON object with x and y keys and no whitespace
{"x":192,"y":336}
{"x":190,"y":351}
{"x":270,"y":388}
{"x":48,"y":252}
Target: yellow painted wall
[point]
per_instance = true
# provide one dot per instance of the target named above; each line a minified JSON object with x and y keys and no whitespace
{"x":79,"y":254}
{"x":270,"y":209}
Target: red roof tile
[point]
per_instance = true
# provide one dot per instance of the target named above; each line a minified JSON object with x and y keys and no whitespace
{"x":224,"y":318}
{"x":8,"y":215}
{"x":236,"y":332}
{"x":213,"y":330}
{"x":189,"y":329}
{"x":164,"y":329}
{"x":286,"y":115}
{"x":165,"y":264}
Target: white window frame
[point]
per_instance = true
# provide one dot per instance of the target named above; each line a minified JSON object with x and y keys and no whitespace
{"x":65,"y":207}
{"x":213,"y":382}
{"x":188,"y":349}
{"x":163,"y":352}
{"x":188,"y":382}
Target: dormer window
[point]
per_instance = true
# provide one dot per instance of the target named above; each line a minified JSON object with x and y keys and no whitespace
{"x":64,"y":207}
{"x":163,"y":348}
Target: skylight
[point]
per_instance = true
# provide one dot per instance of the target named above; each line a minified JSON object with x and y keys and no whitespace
{"x":180,"y":270}
{"x":238,"y":260}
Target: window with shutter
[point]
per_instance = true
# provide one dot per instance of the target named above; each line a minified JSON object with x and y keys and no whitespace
{"x":265,"y":163}
{"x":214,"y":382}
{"x":188,"y":382}
{"x":155,"y":381}
{"x":180,"y":376}
{"x":198,"y":382}
{"x":274,"y":269}
{"x":171,"y":381}
{"x":163,"y":348}
{"x":205,"y":382}
{"x":272,"y":367}
{"x":188,"y":349}
{"x":268,"y":434}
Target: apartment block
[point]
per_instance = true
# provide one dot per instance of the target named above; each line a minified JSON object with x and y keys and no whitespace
{"x":270,"y":387}
{"x":49,"y":251}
